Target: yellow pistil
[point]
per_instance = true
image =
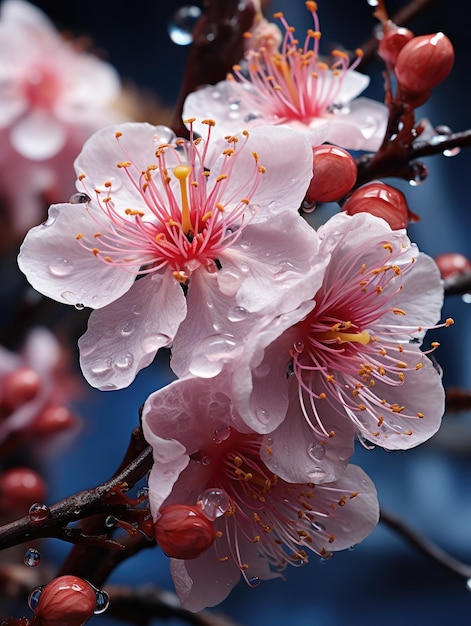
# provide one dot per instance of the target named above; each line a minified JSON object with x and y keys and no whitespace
{"x":342,"y":337}
{"x":181,"y":172}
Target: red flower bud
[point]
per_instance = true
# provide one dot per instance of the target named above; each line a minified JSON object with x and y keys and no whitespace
{"x":20,"y":487}
{"x":381,"y":200}
{"x":19,"y":387}
{"x":452,"y":264}
{"x":394,"y":39}
{"x":335,"y":173}
{"x":424,"y":62}
{"x":183,"y":531}
{"x":65,"y":601}
{"x":52,"y":419}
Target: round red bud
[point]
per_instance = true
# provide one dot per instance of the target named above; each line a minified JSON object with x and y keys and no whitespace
{"x":424,"y":62}
{"x":394,"y":39}
{"x":452,"y":264}
{"x":52,"y":419}
{"x":66,"y":601}
{"x":20,"y":387}
{"x":381,"y":200}
{"x":335,"y":172}
{"x":183,"y":531}
{"x":20,"y":487}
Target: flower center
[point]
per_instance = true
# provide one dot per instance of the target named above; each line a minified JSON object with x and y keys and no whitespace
{"x":293,"y":84}
{"x":41,"y":87}
{"x":185,"y":214}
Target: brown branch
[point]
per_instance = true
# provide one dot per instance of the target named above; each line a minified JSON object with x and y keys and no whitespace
{"x":425,"y":546}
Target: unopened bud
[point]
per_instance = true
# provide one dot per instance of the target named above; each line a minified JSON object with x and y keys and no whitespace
{"x":20,"y":487}
{"x":20,"y":387}
{"x":66,"y":601}
{"x":184,"y":531}
{"x":381,"y":200}
{"x":452,"y":264}
{"x":52,"y":419}
{"x":335,"y":172}
{"x":394,"y":39}
{"x":424,"y":62}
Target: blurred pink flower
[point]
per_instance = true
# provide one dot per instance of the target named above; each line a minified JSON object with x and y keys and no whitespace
{"x":205,"y":456}
{"x":295,"y":86}
{"x":349,"y":359}
{"x":158,"y":208}
{"x":53,"y":96}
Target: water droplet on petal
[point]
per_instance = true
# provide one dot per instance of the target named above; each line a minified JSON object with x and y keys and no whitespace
{"x":229,"y":282}
{"x":79,"y":198}
{"x":124,"y":362}
{"x":101,"y":367}
{"x":211,"y":354}
{"x":32,"y":557}
{"x":251,"y":116}
{"x":214,"y":503}
{"x":163,"y":134}
{"x":38,"y":513}
{"x":180,"y":27}
{"x":466,"y":297}
{"x":253,"y":581}
{"x":318,"y":526}
{"x":344,"y":454}
{"x":468,"y":584}
{"x":221,"y":434}
{"x":111,"y":521}
{"x":151,"y":343}
{"x":316,"y":451}
{"x":61,"y":267}
{"x":237,"y":314}
{"x":262,"y":415}
{"x":127,"y":328}
{"x":79,"y":306}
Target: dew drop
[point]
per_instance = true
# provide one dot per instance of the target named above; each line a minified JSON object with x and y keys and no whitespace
{"x":111,"y":521}
{"x":79,"y":306}
{"x":262,"y":415}
{"x":468,"y":584}
{"x":237,"y":314}
{"x":316,"y":451}
{"x":344,"y":454}
{"x":234,"y":103}
{"x":253,"y":581}
{"x":101,"y":367}
{"x":214,"y":503}
{"x":317,"y":474}
{"x":251,"y":116}
{"x":38,"y":513}
{"x":326,"y":558}
{"x":221,"y":434}
{"x":180,"y":27}
{"x":32,"y":557}
{"x":61,"y":267}
{"x":308,"y":206}
{"x":79,"y":198}
{"x":452,"y":152}
{"x":33,"y":598}
{"x":152,"y":343}
{"x":466,"y":298}
{"x":163,"y":134}
{"x":210,"y":355}
{"x":229,"y":282}
{"x":124,"y":362}
{"x":102,"y":600}
{"x":318,"y":526}
{"x":127,"y":328}
{"x":143,"y":493}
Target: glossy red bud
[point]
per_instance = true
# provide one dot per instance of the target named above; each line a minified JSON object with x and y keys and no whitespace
{"x":20,"y":487}
{"x":424,"y":62}
{"x":335,"y":172}
{"x":65,"y":601}
{"x":452,"y":264}
{"x":394,"y":39}
{"x":183,"y":531}
{"x":20,"y":387}
{"x":381,"y":200}
{"x":52,"y":419}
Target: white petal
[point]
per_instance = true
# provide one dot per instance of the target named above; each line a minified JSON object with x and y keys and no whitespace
{"x":38,"y":136}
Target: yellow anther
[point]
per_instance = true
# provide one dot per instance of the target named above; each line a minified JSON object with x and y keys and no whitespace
{"x":78,"y":236}
{"x":420,"y":415}
{"x":322,"y":396}
{"x":364,"y":337}
{"x":449,"y":322}
{"x":207,"y":216}
{"x":96,"y":251}
{"x":96,"y":235}
{"x":82,"y":176}
{"x":189,"y":120}
{"x":218,"y":533}
{"x":418,"y":366}
{"x":209,"y":122}
{"x":398,"y":311}
{"x":221,"y":177}
{"x":124,"y":164}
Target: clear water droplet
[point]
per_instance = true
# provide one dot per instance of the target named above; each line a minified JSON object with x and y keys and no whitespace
{"x":326,"y":558}
{"x":318,"y":526}
{"x":32,"y":557}
{"x":308,"y":206}
{"x":124,"y":362}
{"x":34,"y":596}
{"x":317,"y":474}
{"x":263,"y":415}
{"x":143,"y":493}
{"x":61,"y":267}
{"x":237,"y":314}
{"x":163,"y":134}
{"x":316,"y":451}
{"x":253,"y":581}
{"x":211,"y":354}
{"x":250,"y":117}
{"x":79,"y":198}
{"x":152,"y":343}
{"x":79,"y":306}
{"x":38,"y":513}
{"x":102,"y":601}
{"x":221,"y":434}
{"x":214,"y":503}
{"x":127,"y":328}
{"x":101,"y":367}
{"x":229,"y":282}
{"x":344,"y":454}
{"x":466,"y":298}
{"x":180,"y":27}
{"x":452,"y":152}
{"x":111,"y":521}
{"x":468,"y":584}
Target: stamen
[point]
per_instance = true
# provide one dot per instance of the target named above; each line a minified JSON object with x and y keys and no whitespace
{"x":181,"y":172}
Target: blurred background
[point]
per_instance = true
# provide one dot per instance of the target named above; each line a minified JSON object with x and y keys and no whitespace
{"x":384,"y":580}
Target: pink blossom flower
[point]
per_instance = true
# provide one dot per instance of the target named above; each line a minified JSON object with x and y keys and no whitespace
{"x":46,"y":84}
{"x":296,"y":86}
{"x":348,"y":360}
{"x":157,"y":209}
{"x":35,"y":388}
{"x":206,"y":458}
{"x":53,"y":96}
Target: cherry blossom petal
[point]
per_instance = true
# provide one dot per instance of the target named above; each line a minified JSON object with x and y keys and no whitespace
{"x":38,"y":136}
{"x":361,"y":127}
{"x":56,"y":266}
{"x":124,"y":337}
